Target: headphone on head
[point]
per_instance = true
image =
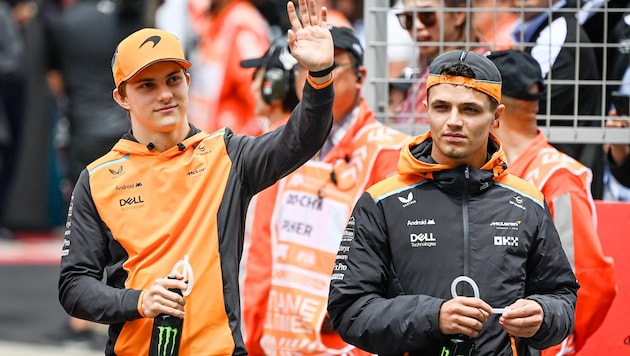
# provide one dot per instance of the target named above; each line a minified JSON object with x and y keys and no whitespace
{"x":279,"y":83}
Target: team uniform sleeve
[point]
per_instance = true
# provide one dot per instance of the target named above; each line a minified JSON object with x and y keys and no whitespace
{"x":366,"y":302}
{"x":262,"y":160}
{"x":82,"y":292}
{"x":550,"y":282}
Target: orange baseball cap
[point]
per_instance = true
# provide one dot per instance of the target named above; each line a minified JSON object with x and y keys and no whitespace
{"x":143,"y":48}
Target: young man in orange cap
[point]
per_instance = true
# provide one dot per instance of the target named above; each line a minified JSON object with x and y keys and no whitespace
{"x":170,"y":200}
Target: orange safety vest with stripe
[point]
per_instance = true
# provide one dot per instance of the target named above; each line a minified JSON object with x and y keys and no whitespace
{"x":295,"y":240}
{"x":566,"y":184}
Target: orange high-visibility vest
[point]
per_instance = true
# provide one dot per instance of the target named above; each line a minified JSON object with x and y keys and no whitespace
{"x":291,"y":257}
{"x":566,"y":184}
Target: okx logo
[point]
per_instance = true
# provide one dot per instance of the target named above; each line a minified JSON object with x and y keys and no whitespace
{"x":165,"y":340}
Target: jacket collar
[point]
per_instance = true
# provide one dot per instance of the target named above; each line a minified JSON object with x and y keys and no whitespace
{"x":415,"y":159}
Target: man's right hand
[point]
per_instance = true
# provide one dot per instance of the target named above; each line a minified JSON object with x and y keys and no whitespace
{"x":160,"y":300}
{"x":463,"y":315}
{"x":309,"y":38}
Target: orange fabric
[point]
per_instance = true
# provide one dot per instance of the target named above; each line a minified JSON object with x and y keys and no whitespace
{"x":334,"y":341}
{"x":558,"y":175}
{"x":513,"y":343}
{"x":491,"y":88}
{"x":129,"y":219}
{"x":256,"y":281}
{"x":318,"y":86}
{"x":411,"y":170}
{"x":373,"y":150}
{"x":337,"y":18}
{"x":220,"y":91}
{"x":409,"y":166}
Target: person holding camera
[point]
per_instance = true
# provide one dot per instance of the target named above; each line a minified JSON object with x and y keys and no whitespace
{"x":453,"y":253}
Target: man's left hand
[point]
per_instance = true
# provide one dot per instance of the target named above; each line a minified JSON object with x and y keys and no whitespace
{"x":523,"y":318}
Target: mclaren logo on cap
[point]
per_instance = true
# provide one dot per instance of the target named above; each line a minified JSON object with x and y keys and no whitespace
{"x":154,"y":39}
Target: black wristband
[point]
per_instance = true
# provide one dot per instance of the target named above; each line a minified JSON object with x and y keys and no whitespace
{"x":322,"y":73}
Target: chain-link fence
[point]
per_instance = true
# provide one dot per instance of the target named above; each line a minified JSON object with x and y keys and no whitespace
{"x":576,"y":103}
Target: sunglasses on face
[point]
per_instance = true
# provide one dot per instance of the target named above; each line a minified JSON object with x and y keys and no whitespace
{"x":407,"y":18}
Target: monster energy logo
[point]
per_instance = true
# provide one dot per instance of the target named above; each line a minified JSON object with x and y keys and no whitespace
{"x":445,"y":351}
{"x":167,"y":338}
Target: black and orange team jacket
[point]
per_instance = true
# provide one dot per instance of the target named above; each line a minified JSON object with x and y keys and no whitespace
{"x":136,"y":212}
{"x":410,"y":236}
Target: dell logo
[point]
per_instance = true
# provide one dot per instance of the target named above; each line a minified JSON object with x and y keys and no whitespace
{"x":422,"y":237}
{"x":131,"y":201}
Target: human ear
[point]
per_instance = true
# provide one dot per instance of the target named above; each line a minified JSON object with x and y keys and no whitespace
{"x":497,"y":115}
{"x":120,"y":99}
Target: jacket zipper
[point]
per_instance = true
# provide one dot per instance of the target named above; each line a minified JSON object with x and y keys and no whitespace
{"x":466,"y":222}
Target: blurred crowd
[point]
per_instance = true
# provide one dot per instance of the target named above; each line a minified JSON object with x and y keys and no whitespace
{"x":57,"y":112}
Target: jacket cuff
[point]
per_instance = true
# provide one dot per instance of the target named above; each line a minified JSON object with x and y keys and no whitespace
{"x":131,"y":303}
{"x":140,"y":311}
